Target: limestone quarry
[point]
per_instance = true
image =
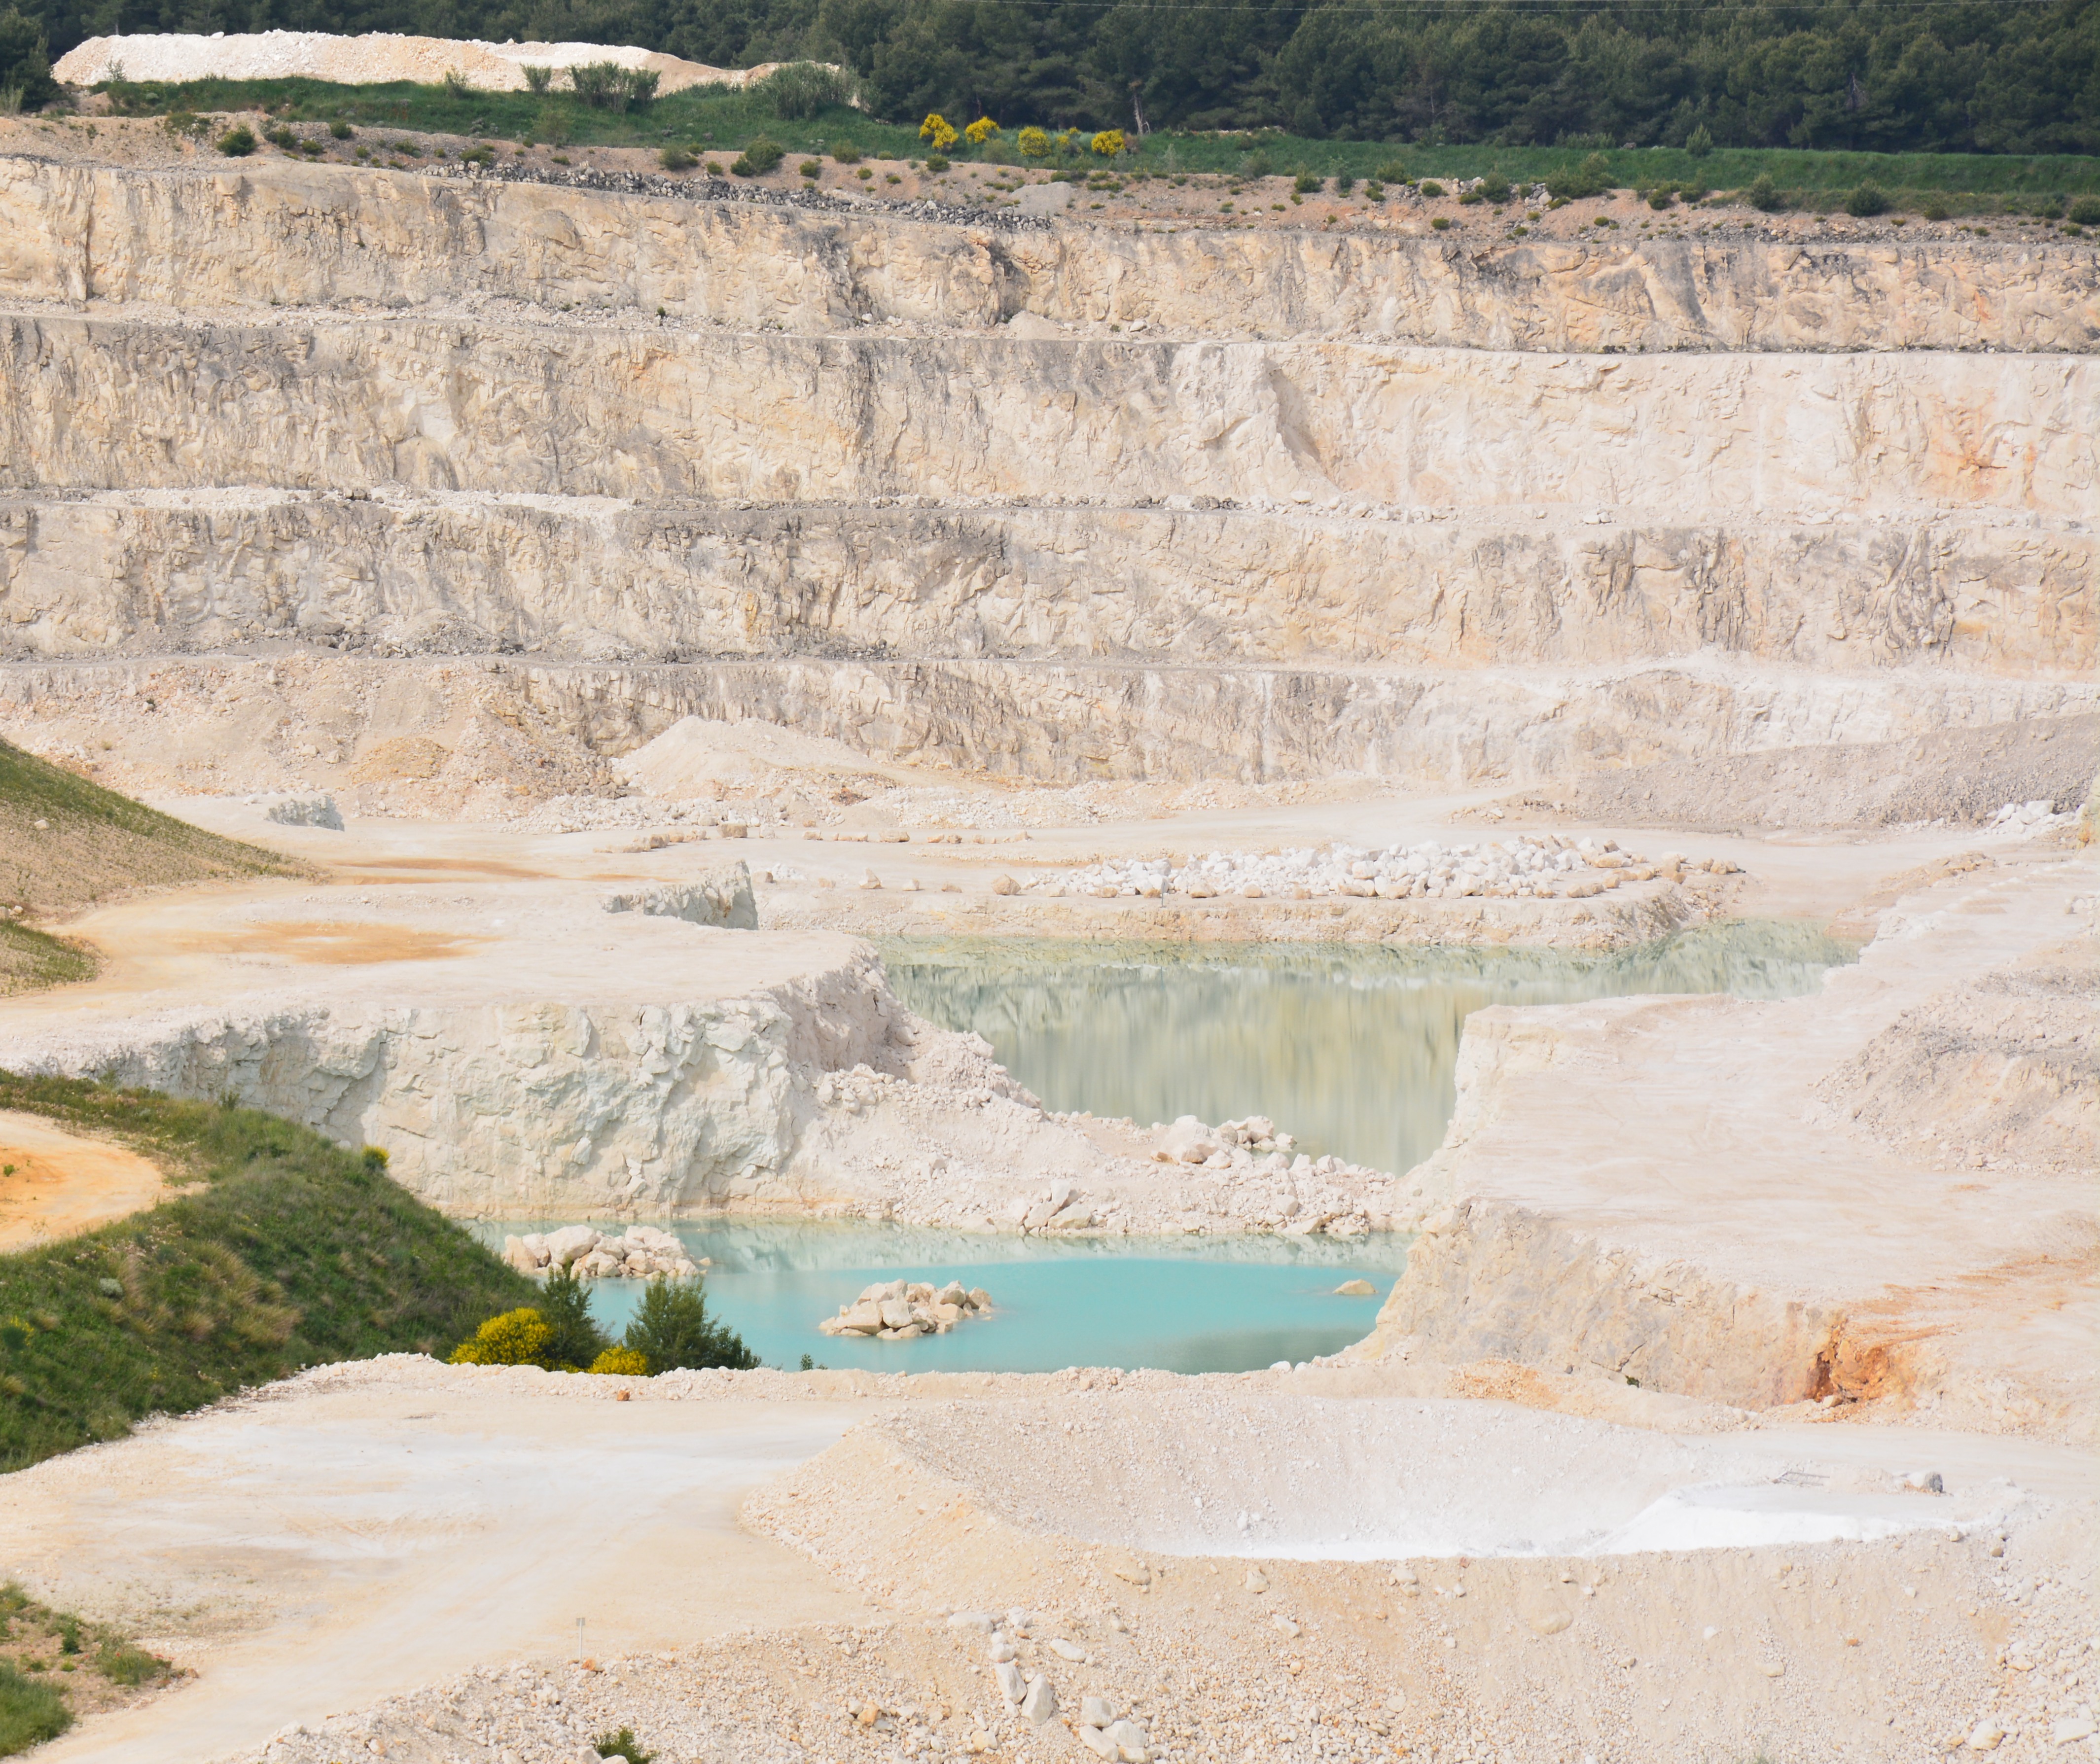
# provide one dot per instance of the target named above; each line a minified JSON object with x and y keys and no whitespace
{"x":617,"y":600}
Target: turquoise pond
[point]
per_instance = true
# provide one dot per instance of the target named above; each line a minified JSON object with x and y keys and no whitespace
{"x":1189,"y":1305}
{"x":1351,"y":1047}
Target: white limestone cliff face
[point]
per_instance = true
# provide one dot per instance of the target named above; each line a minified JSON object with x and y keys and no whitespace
{"x":167,"y":571}
{"x":295,"y":235}
{"x":350,"y":404}
{"x":492,"y":734}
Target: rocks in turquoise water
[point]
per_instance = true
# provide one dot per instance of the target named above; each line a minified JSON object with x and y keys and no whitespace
{"x":904,"y":1310}
{"x":643,"y":1253}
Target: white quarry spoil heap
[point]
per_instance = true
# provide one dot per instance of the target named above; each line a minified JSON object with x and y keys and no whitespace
{"x":1541,"y":867}
{"x":902,"y":1311}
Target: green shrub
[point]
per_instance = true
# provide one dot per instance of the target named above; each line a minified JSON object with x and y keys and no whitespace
{"x":1592,"y":177}
{"x":672,"y":1330}
{"x":122,"y":1663}
{"x":813,"y":168}
{"x":1934,"y":209}
{"x":30,"y":1713}
{"x":1305,"y":184}
{"x":800,"y":90}
{"x":1495,"y":188}
{"x":1257,"y":165}
{"x":1373,"y":192}
{"x":845,"y":153}
{"x":1661,"y":198}
{"x":1470,"y":199}
{"x":607,"y":86}
{"x":2085,"y":211}
{"x":675,"y":159}
{"x":1393,"y":171}
{"x":238,"y":142}
{"x":935,"y":163}
{"x":539,"y":82}
{"x":759,"y":156}
{"x":1764,"y":195}
{"x":1431,"y":189}
{"x":1343,"y":184}
{"x":574,"y":1338}
{"x":1866,"y":199}
{"x":1441,"y":223}
{"x":341,"y":129}
{"x":1700,"y":143}
{"x":623,"y":1744}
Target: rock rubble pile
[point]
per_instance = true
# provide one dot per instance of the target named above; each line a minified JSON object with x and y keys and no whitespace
{"x":1543,"y":867}
{"x":644,"y":1253}
{"x":902,"y":1311}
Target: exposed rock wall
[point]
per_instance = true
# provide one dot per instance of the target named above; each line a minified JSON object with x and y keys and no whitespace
{"x":1368,"y":502}
{"x":524,"y":1109}
{"x":169,"y":572}
{"x":352,"y":405}
{"x":302,"y":235}
{"x":531,"y":727}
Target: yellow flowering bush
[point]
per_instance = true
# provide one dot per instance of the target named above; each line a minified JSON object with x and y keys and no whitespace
{"x":1033,"y":142}
{"x":935,"y":129}
{"x":1108,"y":143}
{"x":517,"y":1338}
{"x":622,"y":1363}
{"x":980,"y":131}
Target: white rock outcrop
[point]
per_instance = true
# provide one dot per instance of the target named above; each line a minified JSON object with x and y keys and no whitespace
{"x":642,"y":1252}
{"x":899,"y":1311}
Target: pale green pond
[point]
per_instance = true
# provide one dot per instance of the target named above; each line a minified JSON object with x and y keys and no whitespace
{"x":1352,"y":1048}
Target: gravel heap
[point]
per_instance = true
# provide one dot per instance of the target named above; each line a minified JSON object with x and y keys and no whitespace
{"x":1541,"y":867}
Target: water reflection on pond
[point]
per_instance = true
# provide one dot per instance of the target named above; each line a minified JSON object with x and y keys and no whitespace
{"x":1351,"y":1046}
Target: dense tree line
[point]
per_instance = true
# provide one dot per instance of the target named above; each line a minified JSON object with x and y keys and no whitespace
{"x":2000,"y":76}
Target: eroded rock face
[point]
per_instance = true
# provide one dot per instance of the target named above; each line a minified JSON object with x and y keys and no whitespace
{"x":301,"y":235}
{"x":577,"y":578}
{"x":348,"y":404}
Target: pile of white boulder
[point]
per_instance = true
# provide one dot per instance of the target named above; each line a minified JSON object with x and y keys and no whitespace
{"x":1540,"y":866}
{"x":902,"y":1311}
{"x":1102,"y":1728}
{"x":642,"y":1253}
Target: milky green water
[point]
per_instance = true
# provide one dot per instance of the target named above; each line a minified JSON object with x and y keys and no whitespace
{"x":1351,"y":1047}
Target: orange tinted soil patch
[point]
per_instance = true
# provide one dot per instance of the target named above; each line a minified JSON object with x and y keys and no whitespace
{"x":54,"y":1184}
{"x":339,"y":945}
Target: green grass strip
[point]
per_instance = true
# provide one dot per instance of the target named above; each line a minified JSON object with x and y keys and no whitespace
{"x":715,"y":120}
{"x":284,"y":1251}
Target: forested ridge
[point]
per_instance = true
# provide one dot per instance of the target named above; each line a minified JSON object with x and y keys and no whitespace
{"x":1881,"y":75}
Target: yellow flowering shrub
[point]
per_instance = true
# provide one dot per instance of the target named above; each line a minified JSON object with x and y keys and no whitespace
{"x":980,"y":131}
{"x":517,"y":1338}
{"x":1108,"y":143}
{"x":622,"y":1363}
{"x":936,"y":130}
{"x":1033,"y":142}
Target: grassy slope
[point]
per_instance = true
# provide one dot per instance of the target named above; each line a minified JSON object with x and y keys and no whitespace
{"x":287,"y":1251}
{"x":714,"y":119}
{"x":94,"y":843}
